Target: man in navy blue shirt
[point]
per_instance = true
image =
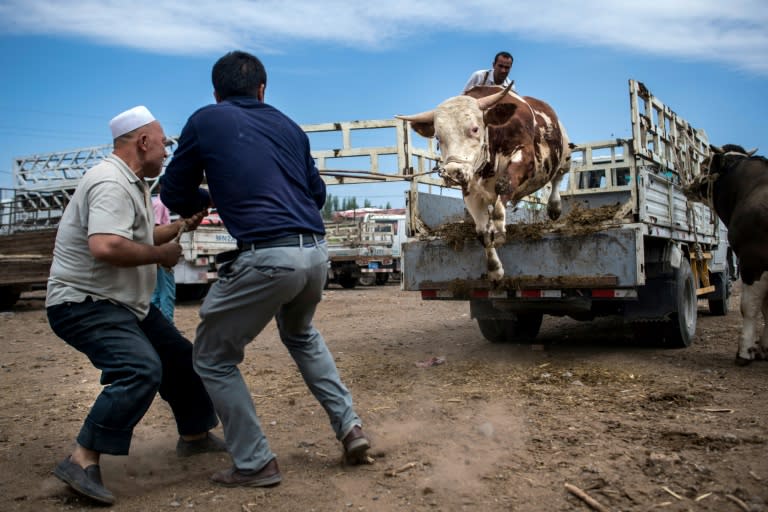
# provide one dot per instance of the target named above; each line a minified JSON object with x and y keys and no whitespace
{"x":263,"y":181}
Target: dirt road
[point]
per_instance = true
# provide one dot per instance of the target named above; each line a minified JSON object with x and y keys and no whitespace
{"x":494,"y":427}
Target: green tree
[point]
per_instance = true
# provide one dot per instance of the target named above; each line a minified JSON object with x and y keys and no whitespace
{"x":367,"y":203}
{"x":389,"y":206}
{"x":327,"y":211}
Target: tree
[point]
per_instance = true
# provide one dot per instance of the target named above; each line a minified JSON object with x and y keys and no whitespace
{"x":367,"y":203}
{"x":327,"y":211}
{"x":389,"y":206}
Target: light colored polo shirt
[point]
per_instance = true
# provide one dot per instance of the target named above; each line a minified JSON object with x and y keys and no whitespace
{"x":484,"y":77}
{"x":110,"y":199}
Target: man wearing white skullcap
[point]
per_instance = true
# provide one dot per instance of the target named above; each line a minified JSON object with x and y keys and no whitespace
{"x":98,"y":301}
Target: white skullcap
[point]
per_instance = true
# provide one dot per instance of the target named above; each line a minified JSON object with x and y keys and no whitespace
{"x":130,"y":120}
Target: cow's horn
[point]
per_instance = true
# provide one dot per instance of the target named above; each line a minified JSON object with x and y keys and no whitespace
{"x":752,"y":152}
{"x":423,"y":117}
{"x":489,"y":101}
{"x":716,"y":149}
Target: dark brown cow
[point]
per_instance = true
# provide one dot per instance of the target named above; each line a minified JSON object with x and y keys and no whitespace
{"x":498,"y":147}
{"x":735,"y":185}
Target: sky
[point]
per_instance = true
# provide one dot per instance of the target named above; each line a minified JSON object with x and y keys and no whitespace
{"x":67,"y":67}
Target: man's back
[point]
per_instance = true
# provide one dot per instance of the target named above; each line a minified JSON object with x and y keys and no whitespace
{"x":258,"y":167}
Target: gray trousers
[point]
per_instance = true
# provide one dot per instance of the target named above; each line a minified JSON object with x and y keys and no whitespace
{"x":285,"y":283}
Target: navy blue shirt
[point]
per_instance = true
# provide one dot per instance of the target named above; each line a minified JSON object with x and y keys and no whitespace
{"x":257,"y":163}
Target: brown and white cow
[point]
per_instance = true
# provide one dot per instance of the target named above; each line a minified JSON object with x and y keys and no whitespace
{"x":735,"y":184}
{"x":498,"y":147}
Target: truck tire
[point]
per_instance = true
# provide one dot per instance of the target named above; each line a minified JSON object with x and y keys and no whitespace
{"x":367,"y":280}
{"x":8,"y":296}
{"x":718,"y":305}
{"x":679,"y":330}
{"x":347,"y":281}
{"x":522,"y":329}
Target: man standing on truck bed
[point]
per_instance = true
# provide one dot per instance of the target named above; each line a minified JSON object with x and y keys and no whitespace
{"x":263,"y":180}
{"x":498,"y":75}
{"x":102,"y":276}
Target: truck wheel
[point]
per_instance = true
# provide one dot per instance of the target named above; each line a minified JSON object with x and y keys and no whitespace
{"x":718,"y":306}
{"x":367,"y":280}
{"x":348,"y":282}
{"x":382,"y":278}
{"x":680,"y":329}
{"x":8,"y":296}
{"x":522,"y":329}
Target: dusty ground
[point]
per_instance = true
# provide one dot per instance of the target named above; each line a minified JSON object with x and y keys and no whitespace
{"x":495,"y":427}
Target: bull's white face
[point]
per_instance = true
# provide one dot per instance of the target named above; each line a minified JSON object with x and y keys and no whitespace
{"x":459,"y":129}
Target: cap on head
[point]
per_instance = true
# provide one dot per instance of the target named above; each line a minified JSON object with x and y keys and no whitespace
{"x":130,"y":120}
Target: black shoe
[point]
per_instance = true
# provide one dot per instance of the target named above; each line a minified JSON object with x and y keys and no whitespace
{"x":268,"y":476}
{"x":208,"y":444}
{"x":356,"y":443}
{"x":85,"y":481}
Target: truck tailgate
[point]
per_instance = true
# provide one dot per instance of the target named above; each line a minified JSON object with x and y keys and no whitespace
{"x":607,"y":258}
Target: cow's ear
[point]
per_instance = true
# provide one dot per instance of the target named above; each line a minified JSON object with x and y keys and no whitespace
{"x":500,"y":114}
{"x":424,"y":129}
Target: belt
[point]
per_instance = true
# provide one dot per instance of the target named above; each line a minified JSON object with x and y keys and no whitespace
{"x":306,"y":240}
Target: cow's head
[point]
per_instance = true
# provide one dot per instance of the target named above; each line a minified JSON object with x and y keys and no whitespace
{"x":460,"y":126}
{"x":722,"y":159}
{"x":719,"y":162}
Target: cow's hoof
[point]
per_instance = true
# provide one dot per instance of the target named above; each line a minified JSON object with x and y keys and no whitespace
{"x":499,"y":238}
{"x":741,"y":361}
{"x":553,"y":214}
{"x":495,"y":275}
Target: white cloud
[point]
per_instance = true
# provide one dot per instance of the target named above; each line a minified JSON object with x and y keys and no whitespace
{"x":731,"y":32}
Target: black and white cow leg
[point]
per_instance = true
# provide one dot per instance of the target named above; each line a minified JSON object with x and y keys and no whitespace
{"x":752,"y":306}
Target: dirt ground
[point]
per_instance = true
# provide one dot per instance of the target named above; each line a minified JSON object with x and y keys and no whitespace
{"x":494,"y":427}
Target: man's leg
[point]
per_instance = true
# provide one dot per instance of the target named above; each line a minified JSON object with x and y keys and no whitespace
{"x":236,"y":309}
{"x":181,"y":387}
{"x":164,"y":296}
{"x":110,"y":337}
{"x":307,"y":346}
{"x":130,"y":369}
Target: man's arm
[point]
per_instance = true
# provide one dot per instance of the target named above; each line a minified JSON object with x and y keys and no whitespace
{"x":166,"y":232}
{"x":474,"y":79}
{"x":180,"y":184}
{"x":121,"y":252}
{"x":316,"y":184}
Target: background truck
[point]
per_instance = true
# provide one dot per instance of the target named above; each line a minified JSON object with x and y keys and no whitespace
{"x":363,"y":250}
{"x":628,"y":243}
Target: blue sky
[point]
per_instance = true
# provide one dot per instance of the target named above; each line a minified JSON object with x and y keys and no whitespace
{"x":68,"y":67}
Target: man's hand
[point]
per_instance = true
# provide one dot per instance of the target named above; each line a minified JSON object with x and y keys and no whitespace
{"x":169,"y":254}
{"x":191,"y":223}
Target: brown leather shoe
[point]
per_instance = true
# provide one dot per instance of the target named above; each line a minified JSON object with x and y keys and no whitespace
{"x":267,"y":476}
{"x":356,"y":443}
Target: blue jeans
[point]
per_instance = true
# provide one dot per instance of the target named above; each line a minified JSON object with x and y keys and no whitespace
{"x":164,"y":296}
{"x":137,"y":359}
{"x":285,"y":283}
